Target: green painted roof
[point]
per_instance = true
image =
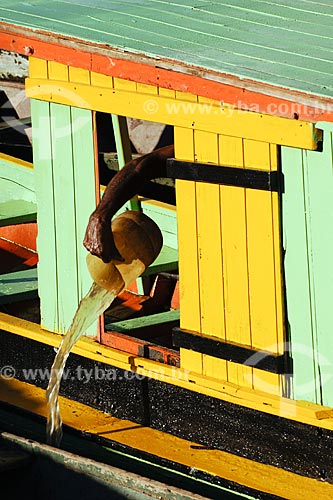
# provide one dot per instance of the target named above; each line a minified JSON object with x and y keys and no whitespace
{"x":287,"y":43}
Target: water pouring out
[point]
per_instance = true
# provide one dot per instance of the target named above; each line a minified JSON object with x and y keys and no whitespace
{"x":139,"y":241}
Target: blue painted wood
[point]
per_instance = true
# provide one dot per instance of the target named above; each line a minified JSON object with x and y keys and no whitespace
{"x":272,"y":41}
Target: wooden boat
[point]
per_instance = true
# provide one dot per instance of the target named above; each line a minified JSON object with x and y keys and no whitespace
{"x":239,"y":394}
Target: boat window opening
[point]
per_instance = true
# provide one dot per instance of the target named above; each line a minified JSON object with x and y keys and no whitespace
{"x":140,"y":320}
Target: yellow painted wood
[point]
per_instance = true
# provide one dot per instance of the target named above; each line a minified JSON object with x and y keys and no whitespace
{"x":123,"y":100}
{"x":187,"y":245}
{"x":16,"y":161}
{"x":146,"y":89}
{"x":261,"y":477}
{"x":167,"y":92}
{"x":191,"y":361}
{"x":309,"y":413}
{"x":79,"y":75}
{"x":186,"y":96}
{"x":277,"y":248}
{"x":99,"y":80}
{"x":261,"y":266}
{"x":235,"y":266}
{"x":38,"y":68}
{"x":210,"y":252}
{"x":121,"y":84}
{"x":215,"y":367}
{"x":208,"y":101}
{"x":57,"y":71}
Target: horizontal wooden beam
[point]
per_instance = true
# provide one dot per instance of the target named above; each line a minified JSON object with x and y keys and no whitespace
{"x":301,"y":411}
{"x":209,"y":117}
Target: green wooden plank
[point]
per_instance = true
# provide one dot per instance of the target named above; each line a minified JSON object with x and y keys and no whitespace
{"x":17,"y":193}
{"x":273,"y":42}
{"x":262,"y":47}
{"x":320,"y":231}
{"x":84,"y":192}
{"x":308,"y":241}
{"x":64,"y":211}
{"x":297,"y":280}
{"x":166,"y":219}
{"x":197,"y":45}
{"x":153,"y":320}
{"x":17,"y":181}
{"x":19,"y":285}
{"x":167,"y":260}
{"x":17,"y":212}
{"x":46,"y":240}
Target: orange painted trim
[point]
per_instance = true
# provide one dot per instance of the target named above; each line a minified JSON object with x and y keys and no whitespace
{"x":314,"y":109}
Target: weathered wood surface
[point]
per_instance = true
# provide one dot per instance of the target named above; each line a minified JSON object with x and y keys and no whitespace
{"x":275,"y":42}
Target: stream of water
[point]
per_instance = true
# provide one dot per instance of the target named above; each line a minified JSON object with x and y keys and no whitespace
{"x":91,"y":306}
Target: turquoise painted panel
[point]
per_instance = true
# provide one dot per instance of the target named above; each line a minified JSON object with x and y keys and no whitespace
{"x":65,"y":190}
{"x":64,"y":212}
{"x":17,"y":182}
{"x":297,"y":277}
{"x":17,"y":212}
{"x":166,"y":219}
{"x":308,"y":245}
{"x":46,"y":239}
{"x":276,"y":42}
{"x":84,"y":192}
{"x":19,"y":285}
{"x":17,"y":194}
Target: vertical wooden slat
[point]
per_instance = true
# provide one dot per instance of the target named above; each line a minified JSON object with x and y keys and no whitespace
{"x":46,"y":240}
{"x":278,"y":257}
{"x":188,"y":252}
{"x":261,"y":265}
{"x":57,"y":71}
{"x":64,"y":201}
{"x":79,"y":75}
{"x":123,"y":144}
{"x":297,"y":275}
{"x":99,"y":80}
{"x":166,"y":92}
{"x":210,"y":253}
{"x":146,"y":89}
{"x":119,"y":83}
{"x":235,"y":266}
{"x":319,"y":189}
{"x":84,"y":191}
{"x":37,"y":68}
